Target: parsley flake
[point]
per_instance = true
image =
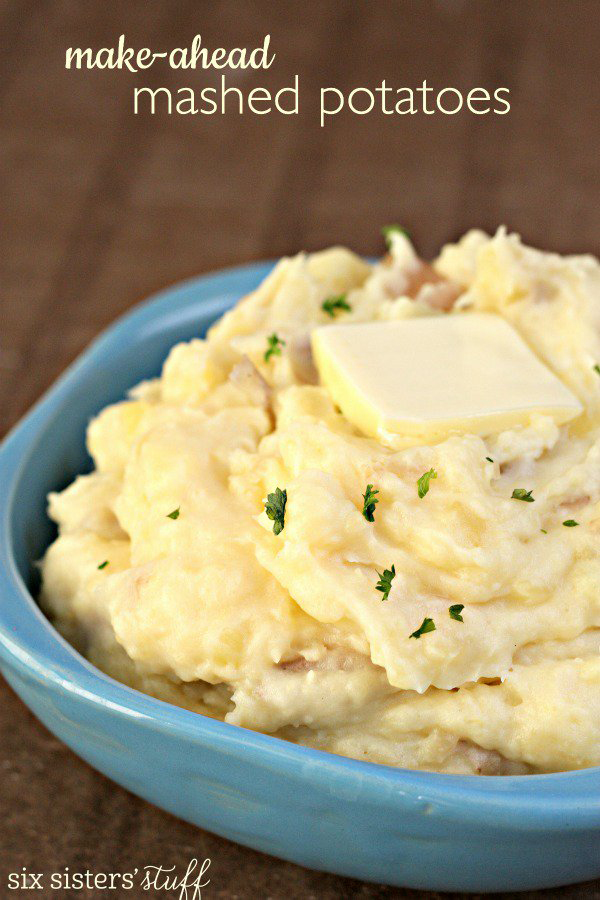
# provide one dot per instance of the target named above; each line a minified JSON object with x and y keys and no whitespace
{"x":423,"y":482}
{"x":543,"y":530}
{"x":385,"y":582}
{"x":370,"y":503}
{"x":425,"y":627}
{"x":275,"y":509}
{"x":333,"y":304}
{"x":388,"y":230}
{"x":489,"y":459}
{"x":522,"y":494}
{"x":570,"y":523}
{"x":597,"y":369}
{"x":174,"y":514}
{"x":274,"y":345}
{"x":103,"y":565}
{"x":455,"y":611}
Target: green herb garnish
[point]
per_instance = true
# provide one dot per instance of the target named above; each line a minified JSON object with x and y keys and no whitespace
{"x":597,"y":369}
{"x":455,"y":611}
{"x":426,"y":626}
{"x":275,"y":509}
{"x":423,"y":482}
{"x":174,"y":514}
{"x":570,"y":523}
{"x":103,"y":565}
{"x":274,"y":345}
{"x":385,"y":582}
{"x":333,"y":304}
{"x":543,"y":530}
{"x":388,"y":230}
{"x":370,"y":503}
{"x":522,"y":494}
{"x":489,"y":459}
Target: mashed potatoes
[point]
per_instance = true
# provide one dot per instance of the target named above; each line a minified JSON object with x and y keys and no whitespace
{"x":169,"y":574}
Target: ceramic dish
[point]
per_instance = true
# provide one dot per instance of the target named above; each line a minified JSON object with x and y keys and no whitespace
{"x":417,"y":829}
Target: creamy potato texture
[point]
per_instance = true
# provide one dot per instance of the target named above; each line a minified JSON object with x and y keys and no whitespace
{"x":168,"y":575}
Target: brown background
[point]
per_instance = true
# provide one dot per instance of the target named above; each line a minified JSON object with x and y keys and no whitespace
{"x":101,"y":207}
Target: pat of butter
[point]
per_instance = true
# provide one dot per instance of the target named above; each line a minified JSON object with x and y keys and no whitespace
{"x":431,"y":376}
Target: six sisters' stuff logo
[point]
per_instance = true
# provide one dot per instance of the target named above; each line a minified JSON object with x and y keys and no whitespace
{"x":156,"y":879}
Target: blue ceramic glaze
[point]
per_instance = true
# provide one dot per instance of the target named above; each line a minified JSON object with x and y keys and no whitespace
{"x":440,"y":832}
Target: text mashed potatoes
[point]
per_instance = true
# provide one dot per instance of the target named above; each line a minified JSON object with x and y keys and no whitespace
{"x":245,"y":549}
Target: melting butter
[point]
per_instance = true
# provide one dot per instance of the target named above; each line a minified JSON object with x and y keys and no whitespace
{"x":431,"y":376}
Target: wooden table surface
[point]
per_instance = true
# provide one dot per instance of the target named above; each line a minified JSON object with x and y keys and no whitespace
{"x":100,"y":207}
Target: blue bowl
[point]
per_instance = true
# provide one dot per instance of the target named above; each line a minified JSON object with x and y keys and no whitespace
{"x":415,"y":829}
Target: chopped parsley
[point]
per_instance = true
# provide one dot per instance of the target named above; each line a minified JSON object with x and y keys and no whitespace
{"x":425,"y":627}
{"x":455,"y":611}
{"x":543,"y":530}
{"x":103,"y":565}
{"x":370,"y":503}
{"x":385,"y":582}
{"x":489,"y":459}
{"x":388,"y":230}
{"x":333,"y":304}
{"x":597,"y":369}
{"x":522,"y":494}
{"x":423,"y":482}
{"x":174,"y":514}
{"x":570,"y":523}
{"x":275,"y":509}
{"x":274,"y":345}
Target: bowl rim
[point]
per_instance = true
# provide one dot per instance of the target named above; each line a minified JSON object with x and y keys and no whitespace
{"x":33,"y":648}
